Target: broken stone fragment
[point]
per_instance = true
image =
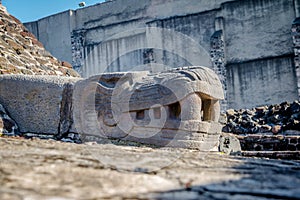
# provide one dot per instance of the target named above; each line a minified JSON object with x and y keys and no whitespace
{"x":230,"y":112}
{"x":276,"y":129}
{"x":229,"y":144}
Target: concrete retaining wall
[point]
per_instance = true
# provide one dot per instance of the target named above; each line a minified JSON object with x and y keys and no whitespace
{"x":55,"y":34}
{"x":256,"y":29}
{"x":251,"y":84}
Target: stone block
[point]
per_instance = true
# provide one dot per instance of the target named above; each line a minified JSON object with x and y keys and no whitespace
{"x":39,"y":104}
{"x":229,"y":144}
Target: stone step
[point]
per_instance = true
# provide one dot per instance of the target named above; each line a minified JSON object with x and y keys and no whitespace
{"x":285,"y":155}
{"x":260,"y":142}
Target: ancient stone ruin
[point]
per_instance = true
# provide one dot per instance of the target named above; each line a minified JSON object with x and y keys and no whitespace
{"x":176,"y":108}
{"x":22,"y":53}
{"x":273,"y":119}
{"x":272,"y":128}
{"x":249,"y":43}
{"x":146,"y":107}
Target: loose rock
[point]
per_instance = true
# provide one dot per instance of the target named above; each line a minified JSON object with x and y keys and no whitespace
{"x":273,"y":119}
{"x":229,"y":144}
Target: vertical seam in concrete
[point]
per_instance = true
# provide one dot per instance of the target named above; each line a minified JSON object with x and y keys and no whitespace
{"x":37,"y":30}
{"x":296,"y":46}
{"x":296,"y":8}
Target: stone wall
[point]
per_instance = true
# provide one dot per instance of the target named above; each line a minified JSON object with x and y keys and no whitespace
{"x":217,"y":54}
{"x":77,"y":41}
{"x":258,"y":29}
{"x":254,"y":49}
{"x":261,"y":82}
{"x":270,"y":143}
{"x":22,"y":53}
{"x":273,"y":119}
{"x":296,"y":41}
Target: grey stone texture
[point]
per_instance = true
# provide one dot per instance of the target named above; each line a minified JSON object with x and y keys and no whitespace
{"x":261,"y":142}
{"x":296,"y":41}
{"x":229,"y":144}
{"x":118,"y":36}
{"x":47,"y":169}
{"x":37,"y":103}
{"x":162,"y":109}
{"x":250,"y":84}
{"x":217,"y":54}
{"x":251,"y":26}
{"x":77,"y":41}
{"x":7,"y":125}
{"x":176,"y":108}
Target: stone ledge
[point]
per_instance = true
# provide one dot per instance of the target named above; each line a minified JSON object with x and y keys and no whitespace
{"x":260,"y":142}
{"x":287,"y":155}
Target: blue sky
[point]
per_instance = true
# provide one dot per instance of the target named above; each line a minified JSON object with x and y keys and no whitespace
{"x":31,"y":10}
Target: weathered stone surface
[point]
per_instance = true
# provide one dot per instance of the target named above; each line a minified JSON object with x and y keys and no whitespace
{"x":163,"y":109}
{"x":259,"y":142}
{"x":22,"y":53}
{"x":229,"y":144}
{"x":45,"y":169}
{"x":7,"y":125}
{"x":176,"y":108}
{"x":272,"y":128}
{"x":284,"y":155}
{"x":296,"y":42}
{"x":39,"y":104}
{"x":245,"y":81}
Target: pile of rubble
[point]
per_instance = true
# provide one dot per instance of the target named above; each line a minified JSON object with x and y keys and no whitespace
{"x":22,"y":53}
{"x":273,"y":119}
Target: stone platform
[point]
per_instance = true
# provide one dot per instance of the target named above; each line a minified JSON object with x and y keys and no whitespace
{"x":47,"y":169}
{"x":260,"y":142}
